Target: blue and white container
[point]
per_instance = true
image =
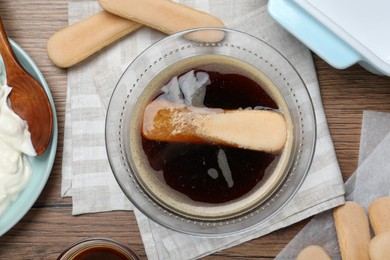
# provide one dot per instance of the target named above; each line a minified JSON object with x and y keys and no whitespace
{"x":342,"y":32}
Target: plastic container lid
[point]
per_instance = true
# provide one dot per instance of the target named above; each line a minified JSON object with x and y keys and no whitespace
{"x":341,"y":32}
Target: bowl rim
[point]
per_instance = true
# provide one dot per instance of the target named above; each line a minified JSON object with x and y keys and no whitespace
{"x":88,"y":243}
{"x":218,"y":231}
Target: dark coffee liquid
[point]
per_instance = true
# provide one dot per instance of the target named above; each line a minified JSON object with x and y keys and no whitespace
{"x":186,"y":166}
{"x":101,"y":253}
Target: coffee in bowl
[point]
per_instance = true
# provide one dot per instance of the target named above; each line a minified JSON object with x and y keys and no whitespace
{"x":199,"y":167}
{"x":202,"y":179}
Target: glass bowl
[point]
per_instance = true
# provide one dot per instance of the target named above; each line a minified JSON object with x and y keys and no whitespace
{"x":97,"y":248}
{"x":150,"y":194}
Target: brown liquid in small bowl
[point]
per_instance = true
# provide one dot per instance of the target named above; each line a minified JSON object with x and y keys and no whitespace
{"x":97,"y":248}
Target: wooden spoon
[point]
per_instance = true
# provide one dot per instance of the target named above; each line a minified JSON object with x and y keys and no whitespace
{"x":259,"y":130}
{"x":28,"y":98}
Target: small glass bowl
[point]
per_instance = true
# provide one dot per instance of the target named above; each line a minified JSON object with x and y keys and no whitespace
{"x":130,"y":91}
{"x":97,"y":248}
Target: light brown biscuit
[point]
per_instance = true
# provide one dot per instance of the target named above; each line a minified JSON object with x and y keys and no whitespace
{"x":379,"y":213}
{"x":379,"y":247}
{"x":166,"y":16}
{"x":258,"y":130}
{"x":313,"y":252}
{"x":80,"y":40}
{"x":353,"y":231}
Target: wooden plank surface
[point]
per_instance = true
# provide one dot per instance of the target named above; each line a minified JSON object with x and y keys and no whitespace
{"x":49,"y":227}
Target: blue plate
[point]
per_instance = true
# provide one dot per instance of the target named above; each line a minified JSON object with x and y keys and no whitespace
{"x":41,"y":165}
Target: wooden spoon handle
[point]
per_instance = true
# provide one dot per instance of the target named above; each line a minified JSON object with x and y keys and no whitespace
{"x":6,"y":51}
{"x":28,"y":98}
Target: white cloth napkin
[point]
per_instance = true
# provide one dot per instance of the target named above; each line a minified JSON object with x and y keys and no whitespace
{"x":86,"y":173}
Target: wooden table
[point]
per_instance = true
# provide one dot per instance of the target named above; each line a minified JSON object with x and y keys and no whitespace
{"x":49,"y":226}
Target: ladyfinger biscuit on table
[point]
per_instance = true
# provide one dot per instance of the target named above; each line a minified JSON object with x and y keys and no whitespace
{"x":379,"y":247}
{"x":313,"y":252}
{"x":166,"y":16}
{"x":379,"y":214}
{"x":80,"y":40}
{"x":353,"y":231}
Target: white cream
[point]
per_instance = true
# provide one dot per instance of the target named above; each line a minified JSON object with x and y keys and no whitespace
{"x":15,"y":145}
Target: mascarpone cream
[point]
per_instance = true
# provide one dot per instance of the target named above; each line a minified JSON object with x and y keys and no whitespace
{"x":15,"y":145}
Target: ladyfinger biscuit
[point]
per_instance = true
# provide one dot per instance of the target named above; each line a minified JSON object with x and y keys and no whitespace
{"x":166,"y":16}
{"x":379,"y":213}
{"x":80,"y":40}
{"x":353,"y":231}
{"x":379,"y":247}
{"x":313,"y":252}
